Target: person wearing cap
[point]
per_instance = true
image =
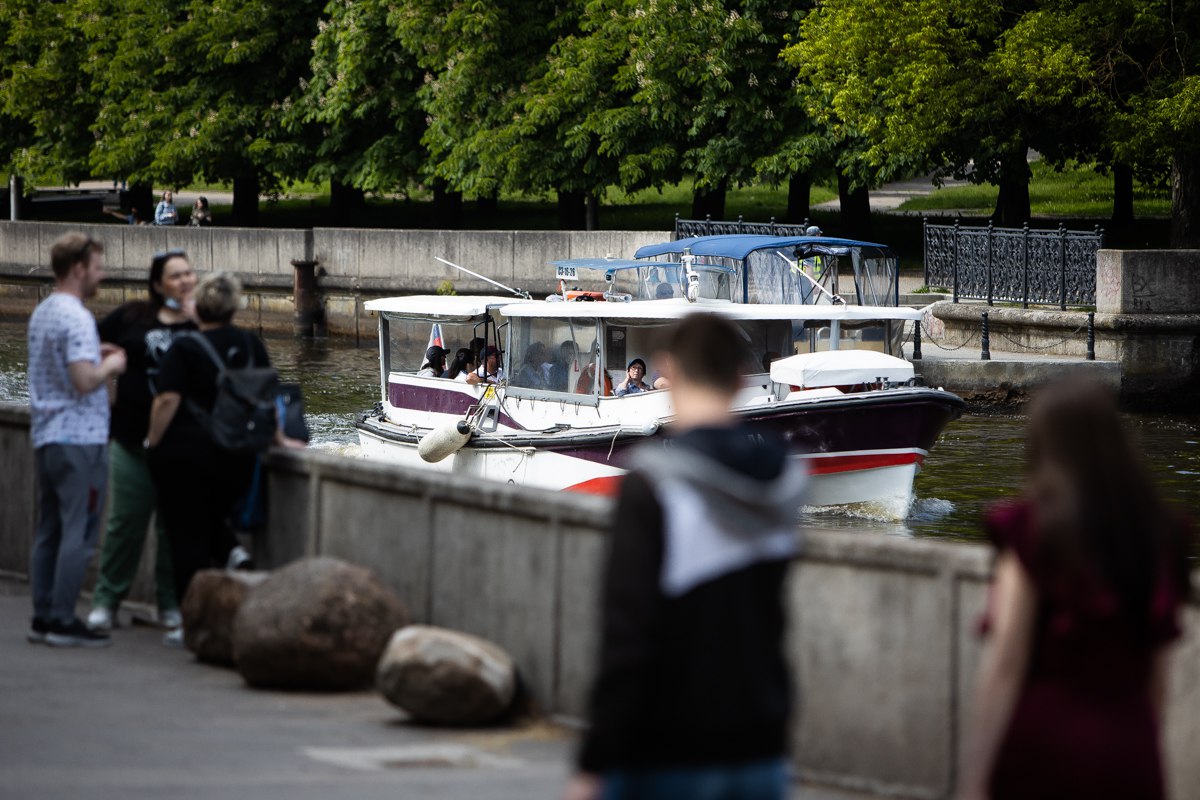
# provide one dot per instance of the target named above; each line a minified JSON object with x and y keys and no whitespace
{"x":435,"y":363}
{"x":633,"y":382}
{"x":489,"y":370}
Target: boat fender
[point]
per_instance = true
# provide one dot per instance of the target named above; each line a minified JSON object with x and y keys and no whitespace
{"x":444,"y":440}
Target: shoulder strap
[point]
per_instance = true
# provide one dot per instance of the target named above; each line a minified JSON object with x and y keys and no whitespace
{"x":208,"y":349}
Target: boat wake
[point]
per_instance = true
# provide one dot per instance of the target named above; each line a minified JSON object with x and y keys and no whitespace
{"x":887,"y":510}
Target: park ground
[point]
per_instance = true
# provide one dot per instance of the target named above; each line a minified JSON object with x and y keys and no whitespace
{"x":140,"y":720}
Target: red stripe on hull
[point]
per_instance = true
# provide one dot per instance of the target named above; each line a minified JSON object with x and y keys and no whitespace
{"x":608,"y":486}
{"x":835,"y":464}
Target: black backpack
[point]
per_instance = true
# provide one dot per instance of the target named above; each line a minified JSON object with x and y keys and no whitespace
{"x":242,"y":419}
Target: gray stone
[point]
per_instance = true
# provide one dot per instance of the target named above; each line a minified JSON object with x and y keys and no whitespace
{"x":209,"y":607}
{"x":440,"y":675}
{"x":318,"y":623}
{"x":1148,"y":282}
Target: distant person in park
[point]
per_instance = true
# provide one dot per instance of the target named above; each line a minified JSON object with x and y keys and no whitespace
{"x":201,"y":215}
{"x":165,"y":213}
{"x":692,"y":698}
{"x":144,"y":329}
{"x":633,"y":383}
{"x":69,"y":374}
{"x":198,"y":482}
{"x":1090,"y":577}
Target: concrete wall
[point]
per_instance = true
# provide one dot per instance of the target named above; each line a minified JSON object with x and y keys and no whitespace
{"x":1148,"y":282}
{"x":356,"y":264}
{"x":882,"y":639}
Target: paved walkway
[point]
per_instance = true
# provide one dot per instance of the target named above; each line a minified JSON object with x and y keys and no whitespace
{"x":140,"y":720}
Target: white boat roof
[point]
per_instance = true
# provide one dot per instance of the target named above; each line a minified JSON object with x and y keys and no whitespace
{"x":839,"y":368}
{"x":678,"y":308}
{"x":441,"y":306}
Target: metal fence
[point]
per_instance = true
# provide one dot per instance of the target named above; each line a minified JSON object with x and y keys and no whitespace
{"x":1016,"y":265}
{"x":685,"y":228}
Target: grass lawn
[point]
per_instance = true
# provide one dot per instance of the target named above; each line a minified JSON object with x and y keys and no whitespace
{"x":1078,"y":191}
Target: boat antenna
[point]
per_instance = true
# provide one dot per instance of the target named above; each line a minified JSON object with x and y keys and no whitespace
{"x":518,"y":292}
{"x":833,"y":298}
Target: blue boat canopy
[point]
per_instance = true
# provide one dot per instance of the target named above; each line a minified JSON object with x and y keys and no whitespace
{"x":739,"y":246}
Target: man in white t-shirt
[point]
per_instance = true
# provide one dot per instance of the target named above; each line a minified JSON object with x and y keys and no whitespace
{"x":69,"y":372}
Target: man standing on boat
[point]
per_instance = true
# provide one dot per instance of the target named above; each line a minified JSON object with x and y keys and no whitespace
{"x":692,"y":693}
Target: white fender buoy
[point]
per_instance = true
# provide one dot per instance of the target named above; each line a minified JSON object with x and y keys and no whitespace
{"x":444,"y":440}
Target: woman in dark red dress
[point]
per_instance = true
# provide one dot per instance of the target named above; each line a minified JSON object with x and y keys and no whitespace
{"x":1090,"y":576}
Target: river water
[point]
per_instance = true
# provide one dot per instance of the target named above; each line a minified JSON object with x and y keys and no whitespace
{"x":978,"y":459}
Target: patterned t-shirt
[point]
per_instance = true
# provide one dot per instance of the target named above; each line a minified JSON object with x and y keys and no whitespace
{"x":62,"y":331}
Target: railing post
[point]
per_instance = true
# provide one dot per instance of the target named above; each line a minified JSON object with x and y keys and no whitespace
{"x":955,"y":260}
{"x":1062,"y":266}
{"x":1025,"y":265}
{"x":740,"y":229}
{"x":916,"y":340}
{"x":925,"y":244}
{"x":708,"y":224}
{"x":676,"y":226}
{"x":985,"y":353}
{"x":990,"y":234}
{"x":773,"y":226}
{"x":1091,"y":336}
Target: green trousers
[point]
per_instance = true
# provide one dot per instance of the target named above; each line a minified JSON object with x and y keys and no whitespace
{"x":131,"y":504}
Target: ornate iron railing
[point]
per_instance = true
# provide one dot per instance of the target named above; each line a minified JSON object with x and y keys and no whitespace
{"x":1015,"y":265}
{"x":708,"y":227}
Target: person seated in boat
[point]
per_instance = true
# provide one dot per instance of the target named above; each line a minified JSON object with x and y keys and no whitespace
{"x":664,"y":291}
{"x":462,"y":365}
{"x":489,"y":370}
{"x":560,"y":373}
{"x":587,"y":375}
{"x":633,"y":383}
{"x":535,"y":372}
{"x":435,"y":363}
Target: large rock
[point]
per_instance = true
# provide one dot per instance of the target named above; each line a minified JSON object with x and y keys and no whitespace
{"x":444,"y":676}
{"x":212,"y":601}
{"x":318,"y":623}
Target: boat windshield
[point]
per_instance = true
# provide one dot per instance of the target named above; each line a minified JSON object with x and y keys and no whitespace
{"x":409,"y":339}
{"x":665,"y":281}
{"x":553,"y":355}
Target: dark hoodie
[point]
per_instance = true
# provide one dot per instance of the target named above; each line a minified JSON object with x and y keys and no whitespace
{"x":691,"y":664}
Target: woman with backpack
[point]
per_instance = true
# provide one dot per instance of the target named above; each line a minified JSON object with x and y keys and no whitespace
{"x":199,"y":478}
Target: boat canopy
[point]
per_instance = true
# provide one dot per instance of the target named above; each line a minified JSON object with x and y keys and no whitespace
{"x":447,"y":308}
{"x":737,"y":246}
{"x":840,"y":368}
{"x":613,"y":265}
{"x":670,"y":310}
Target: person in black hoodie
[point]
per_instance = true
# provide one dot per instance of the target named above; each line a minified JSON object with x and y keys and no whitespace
{"x":692,"y":695}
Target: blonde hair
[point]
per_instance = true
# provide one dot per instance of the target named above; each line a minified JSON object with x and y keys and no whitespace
{"x":218,"y":296}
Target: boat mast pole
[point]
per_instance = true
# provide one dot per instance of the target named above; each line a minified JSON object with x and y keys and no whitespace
{"x":518,"y":292}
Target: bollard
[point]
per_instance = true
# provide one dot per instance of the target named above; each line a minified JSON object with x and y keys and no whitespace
{"x":1091,"y":336}
{"x":985,"y":353}
{"x":309,"y":320}
{"x":917,"y":341}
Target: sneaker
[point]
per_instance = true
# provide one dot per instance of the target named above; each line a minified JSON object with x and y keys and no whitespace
{"x":239,"y":558}
{"x":100,"y":619}
{"x":171,"y":618}
{"x":75,"y":634}
{"x":173,"y":638}
{"x":38,"y":628}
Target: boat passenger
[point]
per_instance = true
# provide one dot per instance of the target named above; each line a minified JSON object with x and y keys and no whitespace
{"x":435,"y":363}
{"x":490,"y":370}
{"x":560,"y":372}
{"x":461,"y":366}
{"x":664,"y":291}
{"x":535,"y":371}
{"x":633,"y":383}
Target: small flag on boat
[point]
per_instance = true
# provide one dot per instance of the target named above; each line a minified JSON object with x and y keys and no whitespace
{"x":435,"y":336}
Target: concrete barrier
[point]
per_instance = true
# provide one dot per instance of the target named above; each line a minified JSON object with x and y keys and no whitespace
{"x":883,"y":636}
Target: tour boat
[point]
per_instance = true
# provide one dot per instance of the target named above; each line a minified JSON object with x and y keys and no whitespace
{"x":823,"y":374}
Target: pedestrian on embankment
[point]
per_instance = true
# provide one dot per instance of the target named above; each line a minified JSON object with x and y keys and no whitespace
{"x":692,"y":694}
{"x":145,"y":329}
{"x":1091,"y":574}
{"x":69,"y":375}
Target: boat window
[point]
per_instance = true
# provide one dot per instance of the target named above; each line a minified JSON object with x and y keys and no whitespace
{"x":763,"y":339}
{"x":879,"y":335}
{"x":552,"y":355}
{"x":408,"y":339}
{"x":875,"y":279}
{"x":774,"y":277}
{"x":664,"y":283}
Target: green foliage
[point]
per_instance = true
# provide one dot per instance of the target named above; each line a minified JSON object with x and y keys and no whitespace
{"x":446,"y":288}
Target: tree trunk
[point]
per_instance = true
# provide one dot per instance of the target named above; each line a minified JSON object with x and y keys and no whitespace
{"x":139,"y":199}
{"x":345,"y":202}
{"x":1122,"y":194}
{"x":245,"y":200}
{"x":592,"y":212}
{"x":799,"y":189}
{"x":1012,"y":203}
{"x":1185,"y":199}
{"x":447,"y":207}
{"x":855,"y":205}
{"x":572,"y":212}
{"x":709,"y":201}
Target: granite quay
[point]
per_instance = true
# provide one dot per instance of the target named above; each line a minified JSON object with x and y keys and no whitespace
{"x":884,"y":638}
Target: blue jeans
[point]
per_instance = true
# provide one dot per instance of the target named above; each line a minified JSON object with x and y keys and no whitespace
{"x":755,"y":780}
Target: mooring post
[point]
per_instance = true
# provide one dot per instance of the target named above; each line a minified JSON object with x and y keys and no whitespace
{"x":985,"y":353}
{"x":309,"y":320}
{"x":15,"y":190}
{"x":1091,"y":336}
{"x":916,"y":340}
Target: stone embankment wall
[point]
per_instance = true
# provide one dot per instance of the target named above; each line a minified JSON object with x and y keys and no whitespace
{"x":357,"y":264}
{"x":883,"y":636}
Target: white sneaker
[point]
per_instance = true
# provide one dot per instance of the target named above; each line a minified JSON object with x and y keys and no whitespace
{"x":239,"y":558}
{"x":173,"y":638}
{"x":100,"y":619}
{"x":171,"y":618}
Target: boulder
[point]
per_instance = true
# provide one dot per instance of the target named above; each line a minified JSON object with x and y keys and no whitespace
{"x":444,"y":676}
{"x":212,"y":600}
{"x":318,"y":623}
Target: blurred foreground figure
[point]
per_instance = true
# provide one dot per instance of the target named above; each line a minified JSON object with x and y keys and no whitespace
{"x":692,"y":695}
{"x":1089,"y":579}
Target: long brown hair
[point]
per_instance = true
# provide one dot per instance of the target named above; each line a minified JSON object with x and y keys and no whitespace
{"x":1114,"y":519}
